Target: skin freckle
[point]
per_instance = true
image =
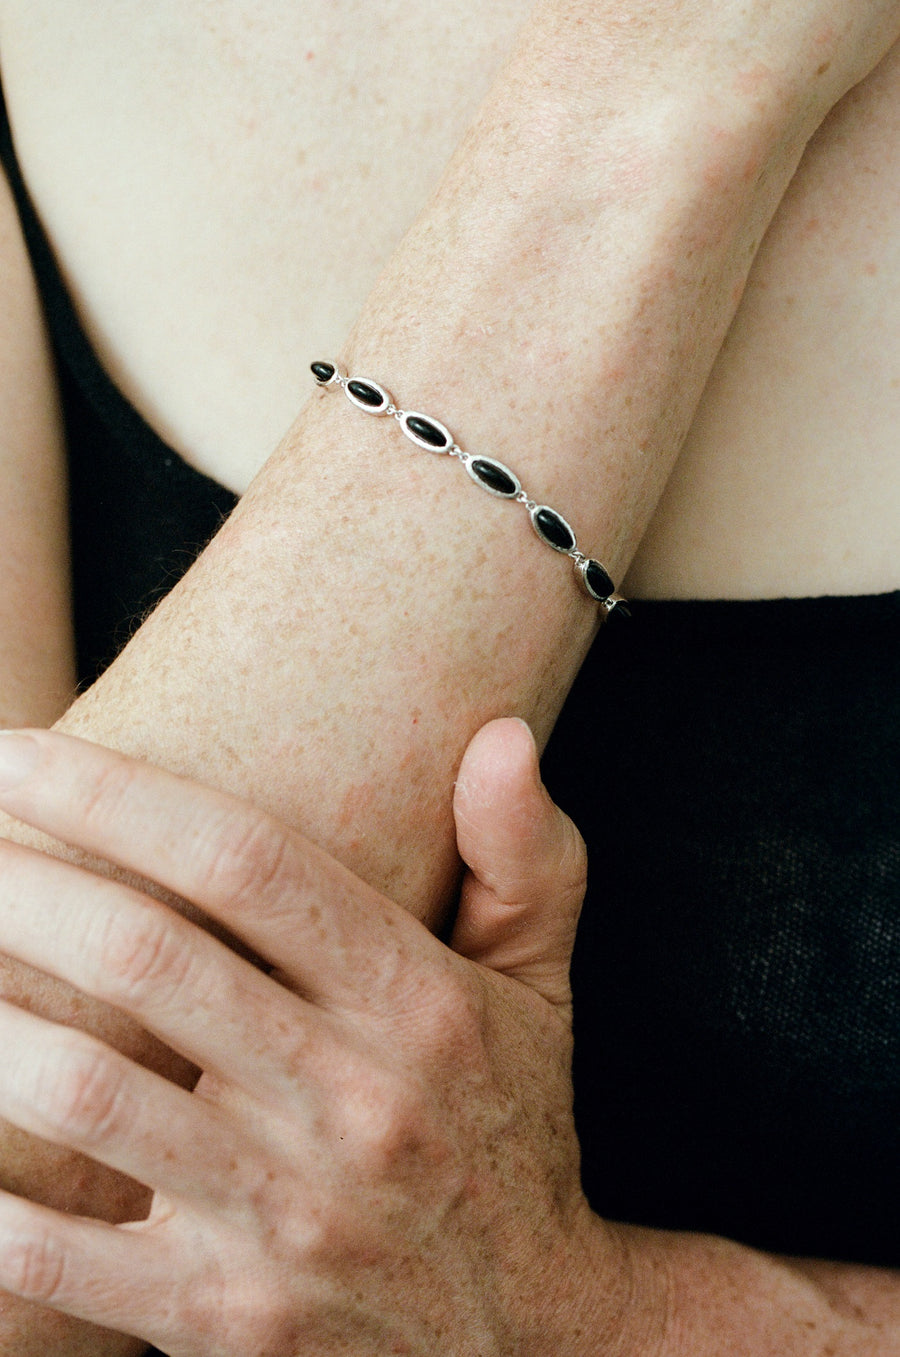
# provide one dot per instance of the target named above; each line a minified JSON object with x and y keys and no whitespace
{"x":754,"y":79}
{"x":355,"y":802}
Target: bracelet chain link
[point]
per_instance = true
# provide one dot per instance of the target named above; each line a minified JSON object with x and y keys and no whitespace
{"x":491,"y":475}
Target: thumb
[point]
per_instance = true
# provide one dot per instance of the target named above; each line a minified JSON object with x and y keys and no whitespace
{"x":527,"y":865}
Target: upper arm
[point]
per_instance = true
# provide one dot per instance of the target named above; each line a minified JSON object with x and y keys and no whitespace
{"x":36,"y":645}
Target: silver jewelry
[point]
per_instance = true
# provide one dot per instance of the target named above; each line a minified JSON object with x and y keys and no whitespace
{"x":491,"y":475}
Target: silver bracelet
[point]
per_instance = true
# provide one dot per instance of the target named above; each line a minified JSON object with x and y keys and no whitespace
{"x":486,"y":472}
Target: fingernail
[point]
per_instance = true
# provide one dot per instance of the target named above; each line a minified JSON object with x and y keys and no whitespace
{"x":18,"y":757}
{"x":535,"y":755}
{"x":526,"y":726}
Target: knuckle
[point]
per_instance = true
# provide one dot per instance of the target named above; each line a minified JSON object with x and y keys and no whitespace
{"x":35,"y":1268}
{"x":143,"y":951}
{"x":202,"y":1306}
{"x":107,"y":787}
{"x":245,"y":860}
{"x":84,"y":1094}
{"x":572,"y":867}
{"x":454,"y":1015}
{"x":245,"y":1310}
{"x":393,"y":1129}
{"x":265,"y":1324}
{"x":555,"y":870}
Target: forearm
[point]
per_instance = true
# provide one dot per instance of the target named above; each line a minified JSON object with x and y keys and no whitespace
{"x":37,"y":662}
{"x":699,"y":1296}
{"x":633,"y":1292}
{"x":365,"y":610}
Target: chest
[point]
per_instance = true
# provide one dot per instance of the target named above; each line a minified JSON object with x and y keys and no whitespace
{"x":223,"y":182}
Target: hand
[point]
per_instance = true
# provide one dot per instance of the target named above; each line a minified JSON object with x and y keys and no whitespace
{"x":380,"y":1154}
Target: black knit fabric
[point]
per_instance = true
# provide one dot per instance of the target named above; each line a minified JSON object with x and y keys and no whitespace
{"x":139,"y":514}
{"x":734,"y":769}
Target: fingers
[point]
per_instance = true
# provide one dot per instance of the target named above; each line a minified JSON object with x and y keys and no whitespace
{"x":297,"y":907}
{"x":87,"y":1269}
{"x":127,"y":950}
{"x":527,"y":864}
{"x":287,"y":900}
{"x":72,"y":1090}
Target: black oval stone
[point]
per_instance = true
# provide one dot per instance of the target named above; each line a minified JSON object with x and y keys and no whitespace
{"x":428,"y":432}
{"x":598,"y":582}
{"x":368,"y":395}
{"x":323,"y":372}
{"x":620,"y":609}
{"x":494,"y":476}
{"x":552,"y":528}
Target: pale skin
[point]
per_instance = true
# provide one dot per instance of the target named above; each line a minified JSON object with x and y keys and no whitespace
{"x":672,"y":261}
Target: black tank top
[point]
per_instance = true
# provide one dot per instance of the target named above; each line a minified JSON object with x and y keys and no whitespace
{"x":734,"y":769}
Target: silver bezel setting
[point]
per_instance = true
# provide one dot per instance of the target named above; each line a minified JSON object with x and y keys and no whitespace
{"x":582,"y":569}
{"x":533,"y":513}
{"x":337,"y":378}
{"x":492,"y":461}
{"x":421,"y":442}
{"x":610,"y":604}
{"x":387,"y":400}
{"x":516,"y":495}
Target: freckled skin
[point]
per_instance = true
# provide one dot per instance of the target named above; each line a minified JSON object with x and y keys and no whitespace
{"x":325,"y":640}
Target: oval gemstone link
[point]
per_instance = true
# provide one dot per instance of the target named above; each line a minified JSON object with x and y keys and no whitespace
{"x":323,"y":372}
{"x":552,"y":528}
{"x":368,"y":395}
{"x":494,"y":477}
{"x":426,"y":433}
{"x":596,"y":580}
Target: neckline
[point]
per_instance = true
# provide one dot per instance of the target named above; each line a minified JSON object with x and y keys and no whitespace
{"x":135,"y":438}
{"x":143,"y":446}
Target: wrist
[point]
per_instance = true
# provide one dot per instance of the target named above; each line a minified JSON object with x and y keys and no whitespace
{"x":602,"y":1296}
{"x":584,"y":335}
{"x":710,"y":1295}
{"x":777,"y":67}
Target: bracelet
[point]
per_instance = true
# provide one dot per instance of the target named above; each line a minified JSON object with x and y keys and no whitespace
{"x":486,"y":472}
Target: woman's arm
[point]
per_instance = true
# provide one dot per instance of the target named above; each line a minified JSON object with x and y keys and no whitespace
{"x":559,"y":305}
{"x":37,"y":662}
